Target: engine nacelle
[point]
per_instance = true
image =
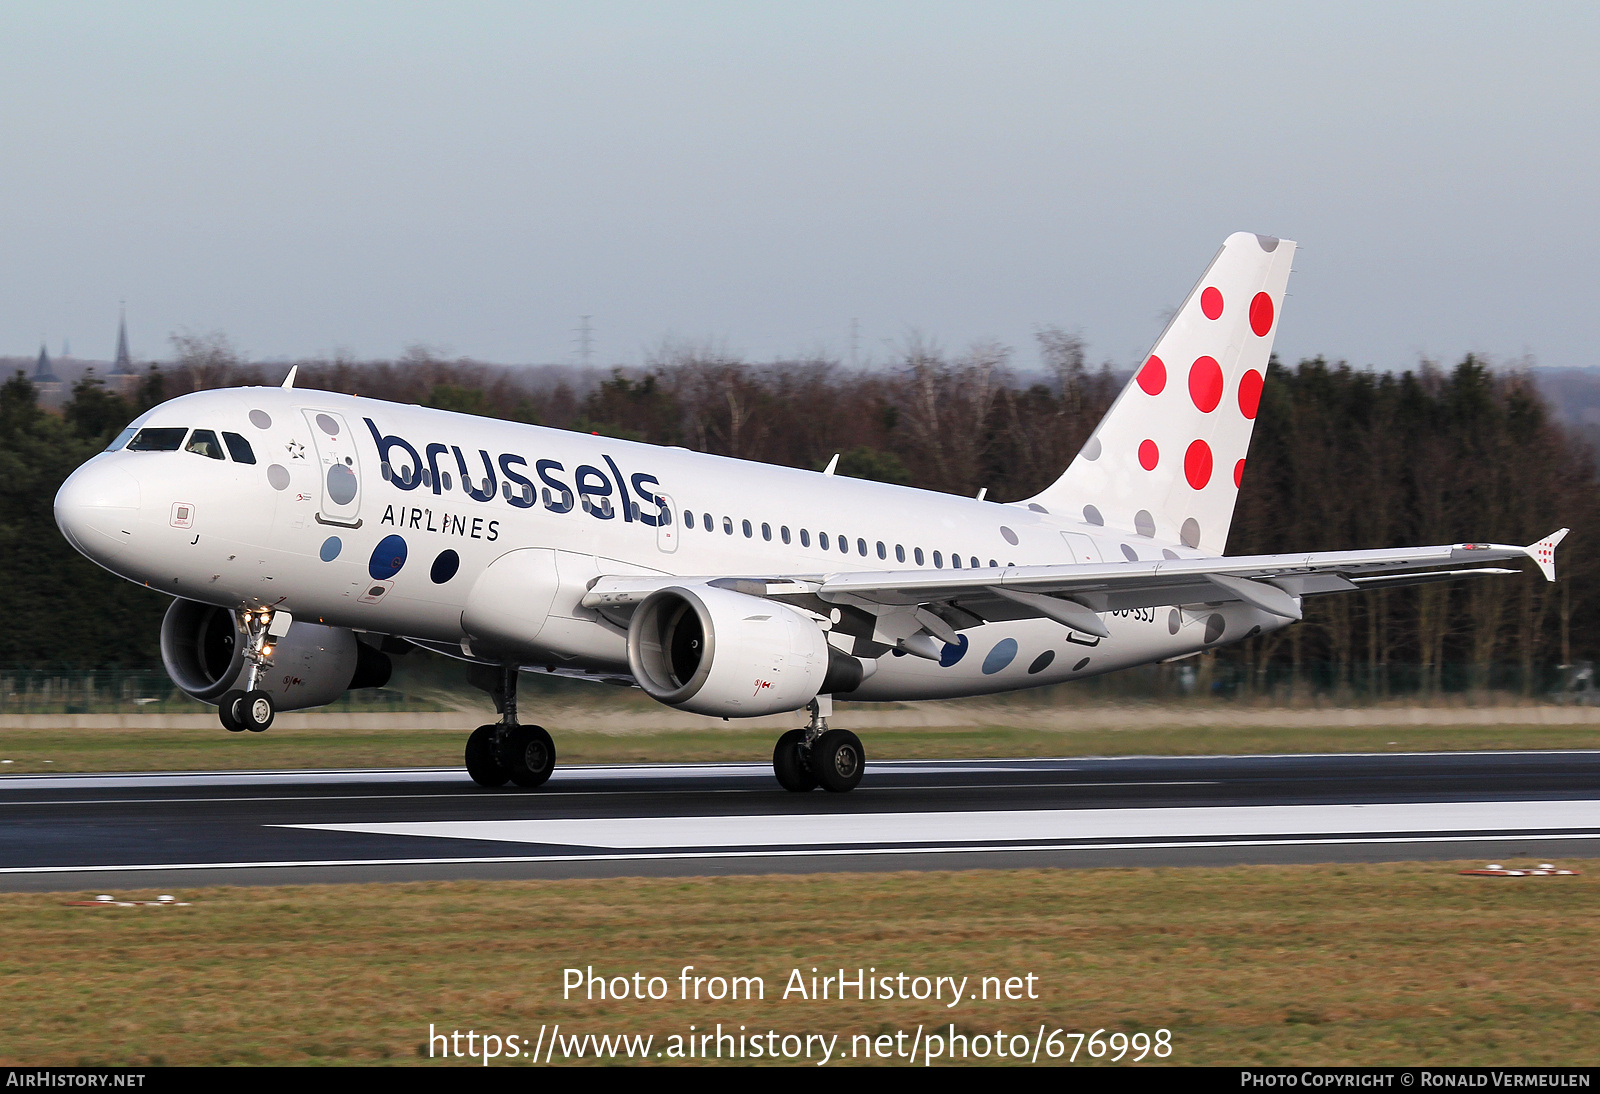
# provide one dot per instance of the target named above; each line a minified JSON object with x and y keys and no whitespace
{"x":203,"y":651}
{"x":727,"y":654}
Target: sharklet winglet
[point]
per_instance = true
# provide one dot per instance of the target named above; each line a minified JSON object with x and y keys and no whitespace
{"x":1543,"y":553}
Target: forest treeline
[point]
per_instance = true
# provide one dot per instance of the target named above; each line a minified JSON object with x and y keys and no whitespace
{"x":1341,"y":458}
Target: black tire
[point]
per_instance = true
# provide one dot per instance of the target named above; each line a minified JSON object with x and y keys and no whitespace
{"x":530,"y":755}
{"x":483,"y":759}
{"x":255,"y":711}
{"x":227,"y":713}
{"x":789,"y":763}
{"x":838,"y":760}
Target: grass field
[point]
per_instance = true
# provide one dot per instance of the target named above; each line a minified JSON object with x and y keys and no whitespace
{"x":207,"y":749}
{"x":1390,"y":964}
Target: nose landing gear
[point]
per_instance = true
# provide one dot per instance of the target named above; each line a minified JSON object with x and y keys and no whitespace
{"x":833,"y":759}
{"x":507,"y":751}
{"x":250,"y":708}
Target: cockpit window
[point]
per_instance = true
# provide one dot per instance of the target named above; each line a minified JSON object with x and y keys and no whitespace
{"x":157,"y":440}
{"x":204,"y":442}
{"x":122,"y":438}
{"x":239,"y":448}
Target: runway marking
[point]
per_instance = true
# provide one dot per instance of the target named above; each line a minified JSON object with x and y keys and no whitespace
{"x":673,"y":770}
{"x":829,"y":829}
{"x":537,"y":795}
{"x":821,"y":852}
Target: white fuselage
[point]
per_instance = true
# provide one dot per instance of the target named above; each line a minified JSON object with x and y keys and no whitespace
{"x":295,"y":532}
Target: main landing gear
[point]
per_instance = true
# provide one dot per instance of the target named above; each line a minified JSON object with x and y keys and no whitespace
{"x":249,"y":707}
{"x":506,"y":751}
{"x":833,"y":759}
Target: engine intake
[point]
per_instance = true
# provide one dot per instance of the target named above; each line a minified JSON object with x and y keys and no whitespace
{"x":203,"y":652}
{"x":727,"y":654}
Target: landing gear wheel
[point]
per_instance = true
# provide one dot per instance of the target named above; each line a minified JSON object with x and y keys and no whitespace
{"x":228,"y":712}
{"x":838,"y":760}
{"x":483,"y":759}
{"x":789,"y":763}
{"x":530,"y":755}
{"x":255,"y":711}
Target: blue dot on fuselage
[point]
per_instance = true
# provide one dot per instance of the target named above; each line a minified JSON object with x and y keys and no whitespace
{"x":445,"y":567}
{"x":954,"y":651}
{"x":330,"y":549}
{"x":387,"y":558}
{"x":1004,"y":652}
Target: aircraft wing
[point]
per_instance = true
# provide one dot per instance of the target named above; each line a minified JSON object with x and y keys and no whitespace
{"x":946,"y":601}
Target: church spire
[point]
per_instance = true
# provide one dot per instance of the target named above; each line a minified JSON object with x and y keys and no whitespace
{"x":42,"y":373}
{"x":124,"y":363}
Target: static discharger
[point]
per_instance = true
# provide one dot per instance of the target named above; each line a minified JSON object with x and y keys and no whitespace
{"x":1494,"y":869}
{"x":107,"y":901}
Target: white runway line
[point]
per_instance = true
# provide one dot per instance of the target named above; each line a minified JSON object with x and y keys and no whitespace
{"x":952,"y":829}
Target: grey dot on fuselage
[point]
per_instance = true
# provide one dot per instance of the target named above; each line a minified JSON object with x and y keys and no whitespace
{"x":1215,"y":625}
{"x":1091,"y":450}
{"x":278,"y":476}
{"x":1189,"y":534}
{"x":1129,"y":553}
{"x":1144,"y":523}
{"x":1091,"y":515}
{"x":1268,"y":243}
{"x":1174,"y":621}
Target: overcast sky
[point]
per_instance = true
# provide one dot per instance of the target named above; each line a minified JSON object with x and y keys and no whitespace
{"x":311,"y":178}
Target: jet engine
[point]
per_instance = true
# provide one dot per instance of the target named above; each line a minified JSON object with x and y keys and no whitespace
{"x":731,"y":655}
{"x":203,"y":651}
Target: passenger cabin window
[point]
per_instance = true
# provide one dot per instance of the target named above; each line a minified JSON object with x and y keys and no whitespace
{"x":916,"y":553}
{"x":822,"y":540}
{"x":239,"y":448}
{"x":899,"y":553}
{"x":158,"y":440}
{"x":204,"y":442}
{"x":766,"y":532}
{"x":747,"y":530}
{"x":727,"y":525}
{"x":805,"y":538}
{"x":688,"y":518}
{"x":784,"y":531}
{"x":938,"y":561}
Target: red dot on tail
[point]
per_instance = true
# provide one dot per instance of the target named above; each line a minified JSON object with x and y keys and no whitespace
{"x":1238,"y":473}
{"x":1153,"y":377}
{"x":1261,"y":314}
{"x":1211,"y":303}
{"x":1197,"y":464}
{"x":1149,"y":455}
{"x":1205,"y":383}
{"x":1250,"y":393}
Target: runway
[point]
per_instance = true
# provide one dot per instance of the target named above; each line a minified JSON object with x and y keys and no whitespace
{"x":182,"y":829}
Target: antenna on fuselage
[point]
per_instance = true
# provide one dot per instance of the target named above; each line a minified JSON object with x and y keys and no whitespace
{"x":288,"y":381}
{"x":831,"y":464}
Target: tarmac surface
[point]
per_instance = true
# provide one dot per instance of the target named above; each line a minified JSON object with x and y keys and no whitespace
{"x":104,"y":832}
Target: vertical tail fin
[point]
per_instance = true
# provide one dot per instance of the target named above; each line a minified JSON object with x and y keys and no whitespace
{"x":1167,"y":459}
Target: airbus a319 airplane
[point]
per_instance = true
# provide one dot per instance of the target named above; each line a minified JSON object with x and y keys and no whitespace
{"x":304,"y":535}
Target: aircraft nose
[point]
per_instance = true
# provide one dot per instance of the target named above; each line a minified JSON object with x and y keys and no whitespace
{"x":96,"y":508}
